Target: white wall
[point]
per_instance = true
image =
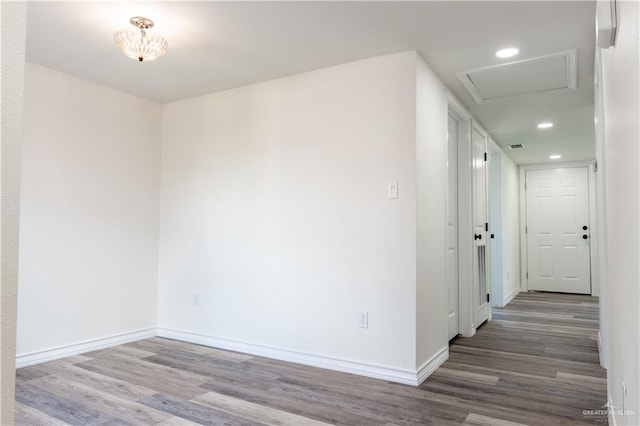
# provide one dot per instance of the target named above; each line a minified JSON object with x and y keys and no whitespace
{"x":89,"y":220}
{"x":274,"y":215}
{"x":601,"y":212}
{"x":510,"y":204}
{"x":14,"y":24}
{"x":432,"y":157}
{"x":495,"y":195}
{"x":274,"y":211}
{"x":621,"y":90}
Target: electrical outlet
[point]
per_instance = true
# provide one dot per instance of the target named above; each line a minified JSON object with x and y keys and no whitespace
{"x":196,"y":300}
{"x":363,"y":320}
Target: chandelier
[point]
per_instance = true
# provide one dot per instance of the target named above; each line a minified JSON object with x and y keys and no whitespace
{"x":137,"y":43}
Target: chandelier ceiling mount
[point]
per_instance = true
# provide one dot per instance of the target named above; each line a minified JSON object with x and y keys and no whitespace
{"x":137,"y":43}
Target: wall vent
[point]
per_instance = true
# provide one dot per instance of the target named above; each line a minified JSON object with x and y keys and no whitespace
{"x":516,"y":146}
{"x":544,"y":73}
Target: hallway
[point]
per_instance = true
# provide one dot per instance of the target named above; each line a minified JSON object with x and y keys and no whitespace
{"x":535,"y":363}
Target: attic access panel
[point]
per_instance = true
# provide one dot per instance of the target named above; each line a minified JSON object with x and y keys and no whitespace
{"x":541,"y":74}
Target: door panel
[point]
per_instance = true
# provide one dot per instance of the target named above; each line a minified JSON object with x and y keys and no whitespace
{"x":480,"y":272}
{"x":452,"y":228}
{"x":558,"y":256}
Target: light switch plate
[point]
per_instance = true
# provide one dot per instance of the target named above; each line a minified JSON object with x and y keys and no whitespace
{"x":392,"y":190}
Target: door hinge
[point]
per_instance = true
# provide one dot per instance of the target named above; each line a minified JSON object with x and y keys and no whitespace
{"x":488,"y":298}
{"x":486,"y":227}
{"x":525,"y":186}
{"x":527,"y":274}
{"x":595,"y":166}
{"x":485,"y":156}
{"x":526,"y":230}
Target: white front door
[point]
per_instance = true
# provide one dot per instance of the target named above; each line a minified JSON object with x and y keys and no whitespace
{"x":481,"y":307}
{"x":452,"y":228}
{"x":557,"y":230}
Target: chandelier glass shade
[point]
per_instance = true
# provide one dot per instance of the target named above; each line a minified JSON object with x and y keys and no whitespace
{"x":137,"y":43}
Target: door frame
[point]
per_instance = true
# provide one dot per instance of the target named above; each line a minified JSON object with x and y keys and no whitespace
{"x":452,"y":115}
{"x":494,"y":203}
{"x":465,"y":234}
{"x":474,"y":251}
{"x":593,"y":250}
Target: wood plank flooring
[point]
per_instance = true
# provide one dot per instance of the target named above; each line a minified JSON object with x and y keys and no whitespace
{"x":535,"y":363}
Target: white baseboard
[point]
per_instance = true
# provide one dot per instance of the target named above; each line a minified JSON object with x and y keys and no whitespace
{"x":391,"y":374}
{"x":407,"y":377}
{"x":37,"y":357}
{"x":509,"y":297}
{"x":432,"y":364}
{"x":601,"y":354}
{"x":599,"y":342}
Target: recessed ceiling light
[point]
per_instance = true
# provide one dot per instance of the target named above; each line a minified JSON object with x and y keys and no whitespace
{"x":507,"y":52}
{"x":545,"y":125}
{"x":555,"y":157}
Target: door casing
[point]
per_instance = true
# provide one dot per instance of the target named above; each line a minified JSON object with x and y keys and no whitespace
{"x":481,"y":282}
{"x":465,"y":235}
{"x":452,"y":271}
{"x":495,"y":223}
{"x":466,"y":248}
{"x":595,"y":282}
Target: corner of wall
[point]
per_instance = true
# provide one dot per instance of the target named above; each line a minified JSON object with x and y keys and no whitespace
{"x":270,"y":205}
{"x":89,"y":212}
{"x":429,"y":366}
{"x":431,"y":204}
{"x":13,"y":23}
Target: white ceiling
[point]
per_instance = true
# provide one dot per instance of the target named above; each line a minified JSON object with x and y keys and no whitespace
{"x":215,"y":46}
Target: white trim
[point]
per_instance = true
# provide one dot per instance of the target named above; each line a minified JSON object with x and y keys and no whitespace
{"x":480,"y":129}
{"x":407,"y":377}
{"x":494,"y":218}
{"x":37,"y":357}
{"x":451,"y":114}
{"x":465,"y":306}
{"x":600,"y":348}
{"x":594,"y":249}
{"x":461,"y":115}
{"x":465,"y":234}
{"x":509,"y":297}
{"x":606,"y":24}
{"x":456,"y":107}
{"x":477,"y":312}
{"x":524,"y":263}
{"x":432,"y":364}
{"x":601,"y":207}
{"x":593,"y":223}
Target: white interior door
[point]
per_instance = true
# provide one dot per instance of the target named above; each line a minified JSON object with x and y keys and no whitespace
{"x":558,"y":257}
{"x":452,"y":228}
{"x":481,"y":307}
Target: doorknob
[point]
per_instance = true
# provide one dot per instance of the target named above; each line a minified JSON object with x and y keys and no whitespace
{"x":584,"y":237}
{"x":584,"y":228}
{"x":477,"y":236}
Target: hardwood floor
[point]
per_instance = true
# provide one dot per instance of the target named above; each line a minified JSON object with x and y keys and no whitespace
{"x":535,"y":363}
